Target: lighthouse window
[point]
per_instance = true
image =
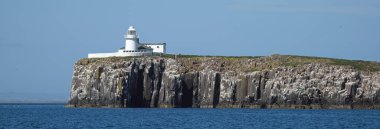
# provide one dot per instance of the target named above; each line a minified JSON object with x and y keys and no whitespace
{"x":158,"y":46}
{"x":131,"y":32}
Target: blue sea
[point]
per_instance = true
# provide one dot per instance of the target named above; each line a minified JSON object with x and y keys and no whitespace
{"x":24,"y":116}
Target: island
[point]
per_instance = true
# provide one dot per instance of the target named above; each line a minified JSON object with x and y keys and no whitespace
{"x":189,"y":81}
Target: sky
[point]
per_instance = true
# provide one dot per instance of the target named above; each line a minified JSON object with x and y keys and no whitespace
{"x":40,"y":40}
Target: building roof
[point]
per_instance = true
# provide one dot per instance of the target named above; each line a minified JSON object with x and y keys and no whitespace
{"x":141,"y":47}
{"x":153,"y":43}
{"x":131,"y":28}
{"x":144,"y":47}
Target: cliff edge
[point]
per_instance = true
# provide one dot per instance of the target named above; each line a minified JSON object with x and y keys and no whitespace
{"x":276,"y":81}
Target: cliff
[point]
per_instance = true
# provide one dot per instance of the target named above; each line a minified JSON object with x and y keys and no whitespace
{"x":277,"y":81}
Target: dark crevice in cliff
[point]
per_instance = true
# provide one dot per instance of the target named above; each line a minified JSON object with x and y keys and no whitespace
{"x":258,"y":89}
{"x":139,"y":90}
{"x":187,"y":89}
{"x":233,"y":96}
{"x":216,"y":90}
{"x":343,"y":86}
{"x":135,"y":87}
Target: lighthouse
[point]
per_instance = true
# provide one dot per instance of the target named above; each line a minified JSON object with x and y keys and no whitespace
{"x":131,"y":40}
{"x":133,"y":47}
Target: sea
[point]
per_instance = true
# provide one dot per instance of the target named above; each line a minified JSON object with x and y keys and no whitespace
{"x":56,"y":116}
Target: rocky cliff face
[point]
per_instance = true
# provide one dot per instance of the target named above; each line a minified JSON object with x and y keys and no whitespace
{"x":210,"y":82}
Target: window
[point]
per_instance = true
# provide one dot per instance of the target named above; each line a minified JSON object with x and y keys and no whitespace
{"x":158,"y":46}
{"x":132,"y":32}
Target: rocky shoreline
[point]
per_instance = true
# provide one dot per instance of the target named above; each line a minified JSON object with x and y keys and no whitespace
{"x":224,"y":82}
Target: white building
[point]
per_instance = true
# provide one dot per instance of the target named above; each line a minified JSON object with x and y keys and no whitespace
{"x":133,"y":47}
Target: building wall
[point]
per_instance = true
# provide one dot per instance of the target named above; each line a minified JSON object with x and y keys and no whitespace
{"x":158,"y":48}
{"x":131,"y":44}
{"x":119,"y":54}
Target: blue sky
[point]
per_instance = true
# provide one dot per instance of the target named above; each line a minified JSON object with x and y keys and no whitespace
{"x":40,"y":40}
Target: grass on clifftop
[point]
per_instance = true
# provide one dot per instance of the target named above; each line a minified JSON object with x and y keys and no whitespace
{"x":291,"y":60}
{"x":358,"y":64}
{"x":86,"y":61}
{"x":270,"y":61}
{"x":209,"y":56}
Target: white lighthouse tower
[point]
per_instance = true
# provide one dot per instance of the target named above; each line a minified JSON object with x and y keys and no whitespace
{"x":131,"y":40}
{"x":133,"y":47}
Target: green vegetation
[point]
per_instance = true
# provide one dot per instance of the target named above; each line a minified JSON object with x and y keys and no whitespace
{"x":209,"y":56}
{"x":191,"y":62}
{"x":290,"y":60}
{"x":86,"y":61}
{"x":358,"y":64}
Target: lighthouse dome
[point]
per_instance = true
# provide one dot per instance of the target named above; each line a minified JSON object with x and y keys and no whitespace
{"x":131,"y":28}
